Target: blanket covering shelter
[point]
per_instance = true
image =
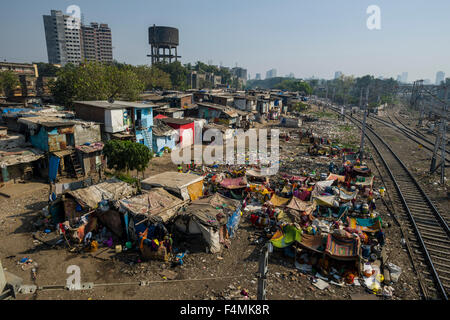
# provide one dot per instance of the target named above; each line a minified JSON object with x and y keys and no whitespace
{"x":157,"y":205}
{"x":320,"y":187}
{"x":278,"y":201}
{"x":342,"y":248}
{"x":186,"y":185}
{"x":285,"y":237}
{"x":366,"y":225}
{"x":234,"y":183}
{"x":112,"y":189}
{"x":337,"y":177}
{"x":364,"y":181}
{"x":312,"y":242}
{"x":302,"y":206}
{"x":327,"y":201}
{"x":215,"y":217}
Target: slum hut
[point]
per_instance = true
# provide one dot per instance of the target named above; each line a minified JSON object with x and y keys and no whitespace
{"x":79,"y":202}
{"x":156,"y":205}
{"x":178,"y":100}
{"x":185,"y":129}
{"x":18,"y":164}
{"x":245,"y":103}
{"x":290,"y":122}
{"x":256,"y":176}
{"x":163,"y":136}
{"x":9,"y":141}
{"x":216,"y":218}
{"x":119,"y":117}
{"x":217,"y":113}
{"x":59,"y":137}
{"x":176,"y":113}
{"x":226,"y":132}
{"x":184,"y":185}
{"x":91,"y":157}
{"x":223,"y":100}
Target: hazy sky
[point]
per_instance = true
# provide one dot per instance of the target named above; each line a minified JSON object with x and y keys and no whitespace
{"x":304,"y":37}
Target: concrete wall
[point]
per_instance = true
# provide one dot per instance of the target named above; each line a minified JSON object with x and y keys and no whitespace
{"x":89,"y":134}
{"x":160,"y":142}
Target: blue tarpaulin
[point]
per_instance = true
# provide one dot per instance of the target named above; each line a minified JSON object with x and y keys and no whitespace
{"x":53,"y":167}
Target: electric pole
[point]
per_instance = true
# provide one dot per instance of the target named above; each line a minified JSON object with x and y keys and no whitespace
{"x":444,"y":136}
{"x":363,"y":131}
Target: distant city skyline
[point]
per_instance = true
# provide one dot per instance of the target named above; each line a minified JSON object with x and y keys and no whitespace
{"x":330,"y":35}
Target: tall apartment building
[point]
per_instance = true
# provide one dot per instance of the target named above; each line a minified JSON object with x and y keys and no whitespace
{"x":440,"y":76}
{"x":68,"y":41}
{"x":97,"y":42}
{"x":272,"y":73}
{"x":240,"y":73}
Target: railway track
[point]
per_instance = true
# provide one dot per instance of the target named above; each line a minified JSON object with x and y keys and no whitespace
{"x":427,"y":231}
{"x":412,"y":135}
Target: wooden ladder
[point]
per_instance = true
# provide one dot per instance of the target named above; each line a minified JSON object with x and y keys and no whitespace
{"x":76,"y":165}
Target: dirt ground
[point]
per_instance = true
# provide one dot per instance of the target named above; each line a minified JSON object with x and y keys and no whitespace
{"x":203,"y":276}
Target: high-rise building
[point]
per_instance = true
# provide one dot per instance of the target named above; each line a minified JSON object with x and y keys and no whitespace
{"x":68,"y":41}
{"x":63,"y":37}
{"x":272,"y":73}
{"x":258,"y":76}
{"x":440,"y":76}
{"x":240,"y":73}
{"x":97,"y":42}
{"x":404,"y":77}
{"x":337,"y":74}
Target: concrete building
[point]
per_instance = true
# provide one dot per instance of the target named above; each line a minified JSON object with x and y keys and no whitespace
{"x":63,"y":37}
{"x":240,"y":73}
{"x":68,"y":41}
{"x":404,"y":77}
{"x":337,"y":74}
{"x":272,"y":73}
{"x":97,"y":42}
{"x":440,"y":76}
{"x":258,"y":76}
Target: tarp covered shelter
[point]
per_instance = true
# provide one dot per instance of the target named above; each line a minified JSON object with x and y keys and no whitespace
{"x":185,"y":185}
{"x":156,"y":205}
{"x":234,"y":183}
{"x":112,"y":189}
{"x":278,"y":201}
{"x":327,"y":201}
{"x":337,"y":177}
{"x":209,"y":217}
{"x":313,"y":242}
{"x":320,"y":187}
{"x":302,"y":206}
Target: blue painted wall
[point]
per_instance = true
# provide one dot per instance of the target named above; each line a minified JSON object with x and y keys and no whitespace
{"x":160,"y":142}
{"x":147,"y":121}
{"x":40,"y":140}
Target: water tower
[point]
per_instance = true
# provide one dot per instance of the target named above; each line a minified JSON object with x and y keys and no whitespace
{"x":164,"y":42}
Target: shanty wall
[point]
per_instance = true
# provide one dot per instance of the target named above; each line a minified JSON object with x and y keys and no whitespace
{"x":146,"y":122}
{"x":40,"y":140}
{"x":159,"y":142}
{"x":89,"y":134}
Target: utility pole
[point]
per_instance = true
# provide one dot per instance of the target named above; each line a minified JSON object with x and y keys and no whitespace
{"x":444,"y":136}
{"x":440,"y":140}
{"x":363,"y":131}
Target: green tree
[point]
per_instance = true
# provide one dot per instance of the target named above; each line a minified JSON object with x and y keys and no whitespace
{"x":153,"y":78}
{"x":127,"y":155}
{"x":8,"y":82}
{"x":96,"y":81}
{"x":177,"y":72}
{"x":47,"y":69}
